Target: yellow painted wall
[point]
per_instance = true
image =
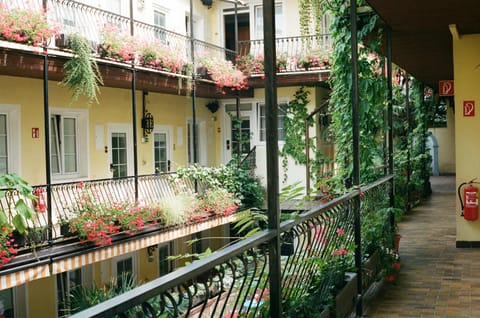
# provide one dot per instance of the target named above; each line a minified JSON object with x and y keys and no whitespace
{"x":114,"y":107}
{"x":41,"y":298}
{"x":467,"y":150}
{"x":446,"y":144}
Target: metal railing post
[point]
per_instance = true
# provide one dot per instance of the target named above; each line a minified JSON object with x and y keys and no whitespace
{"x":271,"y":113}
{"x":356,"y":153}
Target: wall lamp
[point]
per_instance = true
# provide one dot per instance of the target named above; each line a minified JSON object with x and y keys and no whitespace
{"x":150,"y":251}
{"x":147,"y":121}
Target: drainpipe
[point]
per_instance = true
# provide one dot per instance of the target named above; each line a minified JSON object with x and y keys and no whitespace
{"x":237,"y":94}
{"x":134,"y":111}
{"x":194,"y":101}
{"x":271,"y":114}
{"x":46,"y":117}
{"x":356,"y":152}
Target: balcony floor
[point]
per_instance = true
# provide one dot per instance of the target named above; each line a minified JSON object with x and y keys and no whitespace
{"x":437,"y":279}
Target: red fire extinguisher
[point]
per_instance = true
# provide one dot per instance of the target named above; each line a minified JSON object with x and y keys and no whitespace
{"x":468,"y":200}
{"x":39,"y":203}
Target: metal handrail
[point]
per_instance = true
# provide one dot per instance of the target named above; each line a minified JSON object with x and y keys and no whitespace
{"x":314,"y":234}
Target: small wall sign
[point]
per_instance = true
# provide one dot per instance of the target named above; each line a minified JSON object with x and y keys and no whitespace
{"x":446,"y":88}
{"x":468,"y":108}
{"x":35,"y":132}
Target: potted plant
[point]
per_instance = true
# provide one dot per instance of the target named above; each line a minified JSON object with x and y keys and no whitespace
{"x":161,"y":57}
{"x":82,"y":75}
{"x":117,"y":45}
{"x":222,"y":72}
{"x":218,"y":201}
{"x":95,"y":222}
{"x":249,"y":64}
{"x":26,"y":26}
{"x":8,"y":249}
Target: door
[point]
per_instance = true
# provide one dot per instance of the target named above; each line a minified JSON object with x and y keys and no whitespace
{"x":243,"y":22}
{"x":120,"y":140}
{"x":238,"y":131}
{"x":162,"y":149}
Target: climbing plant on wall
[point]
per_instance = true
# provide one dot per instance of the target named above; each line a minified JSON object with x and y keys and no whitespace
{"x":372,"y":92}
{"x":411,"y":155}
{"x":310,"y":17}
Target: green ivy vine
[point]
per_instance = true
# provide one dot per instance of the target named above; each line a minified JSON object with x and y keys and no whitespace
{"x":372,"y":92}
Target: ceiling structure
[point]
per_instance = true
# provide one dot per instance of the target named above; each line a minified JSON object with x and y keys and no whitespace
{"x":421,"y":37}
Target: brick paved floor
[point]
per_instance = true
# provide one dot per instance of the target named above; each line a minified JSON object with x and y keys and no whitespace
{"x":437,"y":279}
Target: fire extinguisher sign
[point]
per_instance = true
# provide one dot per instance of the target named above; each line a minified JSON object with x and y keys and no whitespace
{"x":468,"y":108}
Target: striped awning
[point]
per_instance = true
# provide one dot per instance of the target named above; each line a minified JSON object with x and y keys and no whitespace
{"x":56,"y":266}
{"x":74,"y":262}
{"x":24,"y":276}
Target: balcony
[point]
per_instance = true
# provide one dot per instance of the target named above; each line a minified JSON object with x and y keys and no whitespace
{"x":316,"y":248}
{"x":100,"y":219}
{"x":120,"y":42}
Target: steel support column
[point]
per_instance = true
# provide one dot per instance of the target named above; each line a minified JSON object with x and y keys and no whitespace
{"x":390,"y":123}
{"x":407,"y":110}
{"x":356,"y":151}
{"x":46,"y":116}
{"x":271,"y":114}
{"x":194,"y":101}
{"x":134,"y":110}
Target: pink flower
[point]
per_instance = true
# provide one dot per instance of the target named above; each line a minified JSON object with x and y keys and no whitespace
{"x":340,"y":231}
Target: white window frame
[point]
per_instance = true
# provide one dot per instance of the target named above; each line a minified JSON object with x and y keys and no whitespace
{"x":169,"y":131}
{"x":257,"y":29}
{"x":82,"y":137}
{"x":127,"y":129}
{"x":14,"y":137}
{"x":259,"y":121}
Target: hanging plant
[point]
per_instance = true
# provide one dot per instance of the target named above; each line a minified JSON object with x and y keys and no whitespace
{"x":372,"y":89}
{"x":82,"y":75}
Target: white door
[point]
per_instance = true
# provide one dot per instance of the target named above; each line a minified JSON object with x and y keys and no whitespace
{"x":162,"y":149}
{"x":121,"y":150}
{"x":238,"y":132}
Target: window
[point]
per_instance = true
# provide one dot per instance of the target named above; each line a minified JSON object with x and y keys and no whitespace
{"x":259,"y":21}
{"x":63,"y":144}
{"x":160,"y":152}
{"x":262,"y":122}
{"x":163,"y":261}
{"x":159,"y":20}
{"x":3,"y":144}
{"x":124,"y":270}
{"x":66,"y":282}
{"x":6,"y":302}
{"x":68,"y":143}
{"x":10,"y":135}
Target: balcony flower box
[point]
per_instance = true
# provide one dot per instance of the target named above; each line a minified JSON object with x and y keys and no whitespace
{"x":345,"y":299}
{"x":371,"y":268}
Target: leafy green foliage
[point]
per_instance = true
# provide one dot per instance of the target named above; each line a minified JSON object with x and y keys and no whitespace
{"x":82,"y":297}
{"x":82,"y":75}
{"x":233,"y":177}
{"x":24,"y":211}
{"x":372,"y":91}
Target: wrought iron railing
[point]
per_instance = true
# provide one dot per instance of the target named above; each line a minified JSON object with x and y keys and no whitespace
{"x":65,"y":197}
{"x":234,"y":281}
{"x":250,"y":160}
{"x":297,"y":53}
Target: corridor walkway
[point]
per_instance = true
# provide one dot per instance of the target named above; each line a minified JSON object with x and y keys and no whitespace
{"x":437,"y":279}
